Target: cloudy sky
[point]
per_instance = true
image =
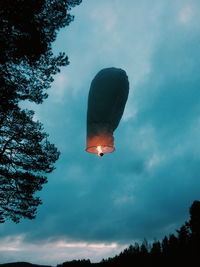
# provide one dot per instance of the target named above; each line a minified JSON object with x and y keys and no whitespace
{"x":94,"y":207}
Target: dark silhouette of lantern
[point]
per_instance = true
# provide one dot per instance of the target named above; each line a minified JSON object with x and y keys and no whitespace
{"x":106,"y":102}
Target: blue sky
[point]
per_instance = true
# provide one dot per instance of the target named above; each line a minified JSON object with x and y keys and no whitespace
{"x":94,"y":207}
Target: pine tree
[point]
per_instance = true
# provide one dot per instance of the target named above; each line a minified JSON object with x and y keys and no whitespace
{"x":27,"y":67}
{"x":25,"y":157}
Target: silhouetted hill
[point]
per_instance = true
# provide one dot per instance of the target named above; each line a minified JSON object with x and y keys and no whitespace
{"x":22,"y":264}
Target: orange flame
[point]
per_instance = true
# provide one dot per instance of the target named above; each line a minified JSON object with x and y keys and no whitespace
{"x":100,"y":151}
{"x":100,"y":144}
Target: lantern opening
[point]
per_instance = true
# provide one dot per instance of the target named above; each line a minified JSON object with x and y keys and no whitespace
{"x":101,"y":144}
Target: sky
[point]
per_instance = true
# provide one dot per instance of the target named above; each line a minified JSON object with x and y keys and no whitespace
{"x":95,"y":207}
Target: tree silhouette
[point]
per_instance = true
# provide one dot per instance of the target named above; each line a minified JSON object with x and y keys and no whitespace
{"x":194,"y":226}
{"x":29,"y":27}
{"x":27,"y":67}
{"x":25,"y":156}
{"x":25,"y":81}
{"x":181,"y":249}
{"x":75,"y":263}
{"x":27,"y":64}
{"x":183,"y":237}
{"x":165,"y":246}
{"x":194,"y":222}
{"x":156,"y":248}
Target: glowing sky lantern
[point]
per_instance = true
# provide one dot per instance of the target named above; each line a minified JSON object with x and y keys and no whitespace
{"x":106,"y":102}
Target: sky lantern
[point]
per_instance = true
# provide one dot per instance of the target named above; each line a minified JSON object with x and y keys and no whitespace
{"x":106,"y":102}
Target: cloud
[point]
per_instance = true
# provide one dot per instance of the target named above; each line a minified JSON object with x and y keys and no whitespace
{"x":59,"y":86}
{"x":186,"y":14}
{"x":15,"y":248}
{"x":105,"y":14}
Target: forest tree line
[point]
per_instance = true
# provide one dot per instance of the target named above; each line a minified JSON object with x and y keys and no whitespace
{"x":180,"y":249}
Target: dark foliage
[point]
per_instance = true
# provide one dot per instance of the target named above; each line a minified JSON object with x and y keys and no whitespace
{"x":27,"y":64}
{"x":182,"y":249}
{"x":24,"y":81}
{"x":176,"y":250}
{"x":25,"y":156}
{"x":29,"y":27}
{"x":27,"y":67}
{"x":75,"y":263}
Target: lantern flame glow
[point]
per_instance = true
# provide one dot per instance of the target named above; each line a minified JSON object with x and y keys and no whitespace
{"x":100,"y":151}
{"x":100,"y":144}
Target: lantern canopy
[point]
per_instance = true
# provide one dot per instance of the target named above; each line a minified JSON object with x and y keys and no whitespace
{"x":106,"y":102}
